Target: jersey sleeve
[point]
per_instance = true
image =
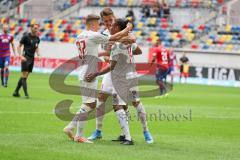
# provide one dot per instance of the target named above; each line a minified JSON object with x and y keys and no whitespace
{"x":23,"y":40}
{"x":100,"y":38}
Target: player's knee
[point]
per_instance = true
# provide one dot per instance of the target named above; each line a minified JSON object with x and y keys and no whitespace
{"x":135,"y":104}
{"x":102,"y":97}
{"x":92,"y":106}
{"x":117,"y":107}
{"x":6,"y":68}
{"x":125,"y":107}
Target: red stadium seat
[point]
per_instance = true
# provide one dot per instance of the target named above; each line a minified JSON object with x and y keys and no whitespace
{"x":185,"y":26}
{"x":64,"y":21}
{"x":194,"y":46}
{"x":164,"y":25}
{"x":201,"y":27}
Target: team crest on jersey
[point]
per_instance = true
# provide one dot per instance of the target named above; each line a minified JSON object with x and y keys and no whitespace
{"x":5,"y":40}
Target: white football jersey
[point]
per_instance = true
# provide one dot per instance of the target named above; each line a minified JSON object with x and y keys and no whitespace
{"x":123,"y":54}
{"x":88,"y":43}
{"x":103,"y":46}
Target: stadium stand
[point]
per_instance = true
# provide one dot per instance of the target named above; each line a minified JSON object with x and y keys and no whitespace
{"x":6,"y":5}
{"x":172,"y":3}
{"x":147,"y":28}
{"x":65,"y":4}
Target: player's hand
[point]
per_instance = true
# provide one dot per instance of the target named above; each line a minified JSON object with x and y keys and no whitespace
{"x":23,"y":59}
{"x":90,"y":77}
{"x":129,"y":26}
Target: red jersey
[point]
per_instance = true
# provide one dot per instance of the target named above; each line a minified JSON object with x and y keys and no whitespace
{"x":162,"y":56}
{"x":5,"y":40}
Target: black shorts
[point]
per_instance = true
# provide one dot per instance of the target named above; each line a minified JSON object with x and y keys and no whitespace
{"x":181,"y":68}
{"x":161,"y":74}
{"x":27,"y":66}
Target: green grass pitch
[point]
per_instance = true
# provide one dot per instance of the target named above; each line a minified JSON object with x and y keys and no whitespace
{"x":30,"y":130}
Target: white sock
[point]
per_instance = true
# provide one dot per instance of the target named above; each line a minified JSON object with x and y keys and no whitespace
{"x":82,"y":119}
{"x":122,"y":119}
{"x":72,"y":124}
{"x":141,"y":113}
{"x":128,"y":117}
{"x":100,"y":111}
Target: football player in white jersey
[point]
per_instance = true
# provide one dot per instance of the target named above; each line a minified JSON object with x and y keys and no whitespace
{"x":108,"y":18}
{"x":124,"y":67}
{"x":88,"y":42}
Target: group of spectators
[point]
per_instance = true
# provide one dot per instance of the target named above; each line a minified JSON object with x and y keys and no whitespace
{"x":6,"y":5}
{"x":159,"y":10}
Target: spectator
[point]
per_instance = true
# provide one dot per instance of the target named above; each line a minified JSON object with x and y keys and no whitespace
{"x":130,"y":15}
{"x":184,"y":67}
{"x":166,"y":9}
{"x":146,"y":11}
{"x":157,"y":10}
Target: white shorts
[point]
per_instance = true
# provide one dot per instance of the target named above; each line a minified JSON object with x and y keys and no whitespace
{"x":107,"y":86}
{"x":131,"y":95}
{"x":89,"y":96}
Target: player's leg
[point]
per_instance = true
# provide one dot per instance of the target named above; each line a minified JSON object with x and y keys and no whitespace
{"x":119,"y":103}
{"x":82,"y":117}
{"x":123,"y":121}
{"x":6,"y":71}
{"x":159,"y":81}
{"x":25,"y":74}
{"x":181,"y":73}
{"x":89,"y":103}
{"x":106,"y":90}
{"x":23,"y":77}
{"x":100,"y":111}
{"x":171,"y":69}
{"x":141,"y":113}
{"x":24,"y":83}
{"x":2,"y":72}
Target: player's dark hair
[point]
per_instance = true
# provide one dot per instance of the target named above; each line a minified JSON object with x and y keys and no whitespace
{"x":121,"y":23}
{"x":106,"y":12}
{"x":32,"y":25}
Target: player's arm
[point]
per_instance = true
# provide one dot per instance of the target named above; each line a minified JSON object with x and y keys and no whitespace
{"x":121,"y":34}
{"x":129,"y":39}
{"x":102,"y":54}
{"x":105,"y":70}
{"x":19,"y":50}
{"x":113,"y":61}
{"x":13,"y":47}
{"x":37,"y":52}
{"x":37,"y":49}
{"x":154,"y":58}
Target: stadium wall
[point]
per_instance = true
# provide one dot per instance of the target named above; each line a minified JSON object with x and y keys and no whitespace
{"x":210,"y":68}
{"x":199,"y":58}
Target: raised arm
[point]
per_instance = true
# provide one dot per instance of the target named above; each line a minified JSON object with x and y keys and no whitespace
{"x":121,"y":34}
